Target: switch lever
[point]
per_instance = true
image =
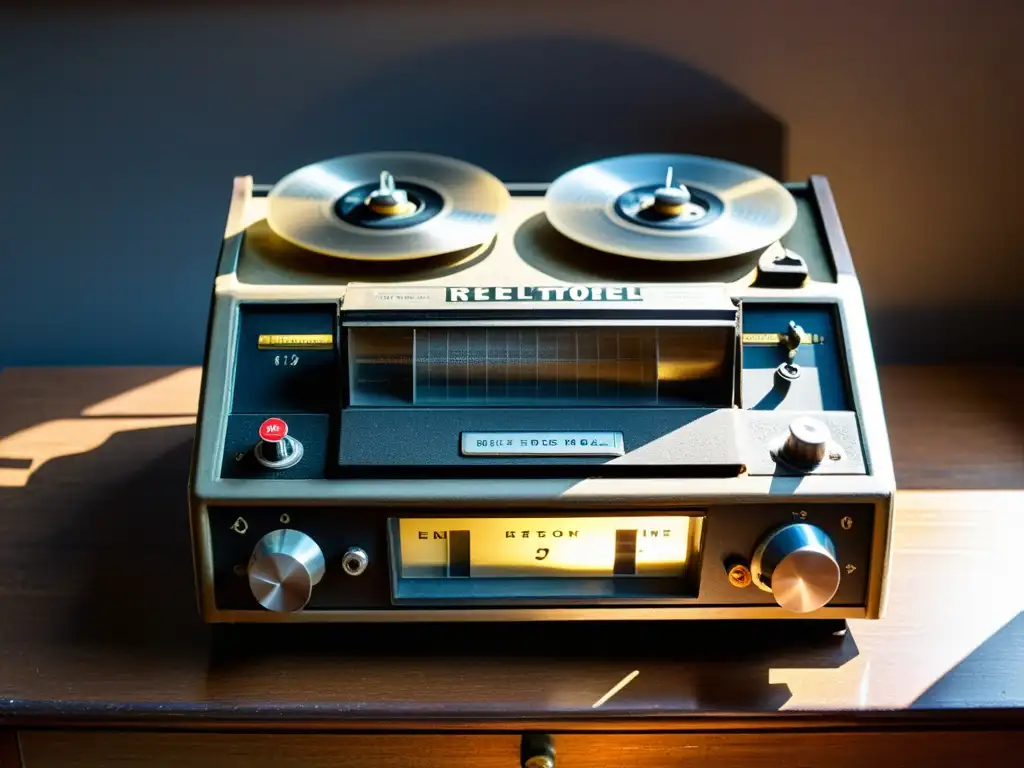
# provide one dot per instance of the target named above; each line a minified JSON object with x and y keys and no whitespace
{"x":791,"y":338}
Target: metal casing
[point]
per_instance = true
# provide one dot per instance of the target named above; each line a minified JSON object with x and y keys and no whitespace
{"x":247,"y":276}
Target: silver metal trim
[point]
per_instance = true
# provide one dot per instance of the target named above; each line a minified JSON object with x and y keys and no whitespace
{"x":553,"y":492}
{"x":553,"y":322}
{"x":401,"y":615}
{"x":288,"y":461}
{"x":528,"y":186}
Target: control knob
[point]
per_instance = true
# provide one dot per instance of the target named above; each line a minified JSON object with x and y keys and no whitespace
{"x":806,"y":445}
{"x":797,"y":564}
{"x":285,"y":566}
{"x":276,"y":448}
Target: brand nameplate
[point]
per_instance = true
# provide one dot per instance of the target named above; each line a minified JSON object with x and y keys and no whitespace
{"x":486,"y":298}
{"x":578,"y":293}
{"x":542,"y":444}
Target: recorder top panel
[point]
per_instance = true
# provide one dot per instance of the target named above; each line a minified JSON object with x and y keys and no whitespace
{"x":414,"y":219}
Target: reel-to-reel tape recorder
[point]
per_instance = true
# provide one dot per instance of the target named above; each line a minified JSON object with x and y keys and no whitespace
{"x":646,"y":390}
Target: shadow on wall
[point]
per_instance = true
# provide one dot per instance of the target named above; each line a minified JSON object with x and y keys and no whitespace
{"x":530,"y":109}
{"x":525,"y":109}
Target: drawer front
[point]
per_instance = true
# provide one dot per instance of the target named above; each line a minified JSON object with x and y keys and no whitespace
{"x":848,"y":749}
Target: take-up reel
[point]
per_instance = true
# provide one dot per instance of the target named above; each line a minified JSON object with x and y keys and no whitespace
{"x":705,"y":209}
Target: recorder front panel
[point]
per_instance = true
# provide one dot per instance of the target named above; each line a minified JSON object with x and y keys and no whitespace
{"x":501,"y":564}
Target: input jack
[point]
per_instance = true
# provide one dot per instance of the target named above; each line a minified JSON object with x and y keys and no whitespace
{"x":355,"y":561}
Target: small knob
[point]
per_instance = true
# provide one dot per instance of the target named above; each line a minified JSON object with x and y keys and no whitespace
{"x":277,"y":449}
{"x":285,"y":566}
{"x":807,"y":442}
{"x":797,"y":564}
{"x":387,"y":200}
{"x":670,"y":200}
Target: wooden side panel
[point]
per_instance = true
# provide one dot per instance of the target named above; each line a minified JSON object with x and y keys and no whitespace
{"x":851,"y":749}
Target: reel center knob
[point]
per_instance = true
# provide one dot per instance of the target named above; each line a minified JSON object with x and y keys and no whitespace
{"x":387,"y":200}
{"x":669,"y":200}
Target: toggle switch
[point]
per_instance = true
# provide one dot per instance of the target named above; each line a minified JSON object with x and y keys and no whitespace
{"x":277,"y":449}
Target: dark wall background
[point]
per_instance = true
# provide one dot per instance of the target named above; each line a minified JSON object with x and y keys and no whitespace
{"x":122,"y":129}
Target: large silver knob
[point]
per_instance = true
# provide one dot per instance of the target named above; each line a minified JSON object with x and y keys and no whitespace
{"x":285,"y":566}
{"x":797,"y":564}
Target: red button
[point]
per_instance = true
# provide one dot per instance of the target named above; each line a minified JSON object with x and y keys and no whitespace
{"x":273,"y":430}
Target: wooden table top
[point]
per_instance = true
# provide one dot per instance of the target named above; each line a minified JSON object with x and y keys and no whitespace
{"x":98,"y":621}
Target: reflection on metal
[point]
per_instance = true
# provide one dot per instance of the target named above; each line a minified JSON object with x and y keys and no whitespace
{"x":616,"y":688}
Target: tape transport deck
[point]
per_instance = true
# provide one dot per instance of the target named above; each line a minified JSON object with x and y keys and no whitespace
{"x":645,"y":390}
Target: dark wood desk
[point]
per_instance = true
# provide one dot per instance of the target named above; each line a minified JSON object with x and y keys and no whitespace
{"x":103,"y":659}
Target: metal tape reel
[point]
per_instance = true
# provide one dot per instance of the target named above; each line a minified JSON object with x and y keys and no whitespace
{"x":729,"y":209}
{"x":321,"y":207}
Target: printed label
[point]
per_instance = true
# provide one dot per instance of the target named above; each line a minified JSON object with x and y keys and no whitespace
{"x":542,"y":444}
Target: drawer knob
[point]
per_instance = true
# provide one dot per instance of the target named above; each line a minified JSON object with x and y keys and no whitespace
{"x":537,"y":751}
